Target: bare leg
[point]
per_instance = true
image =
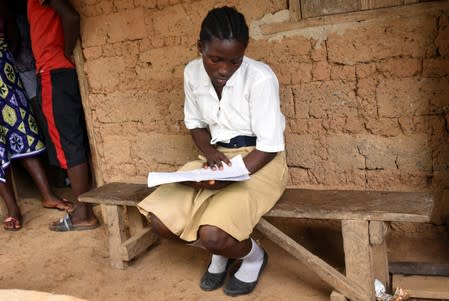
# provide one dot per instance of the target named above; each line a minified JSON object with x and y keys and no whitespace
{"x":13,"y":221}
{"x":212,"y":238}
{"x":219,"y":242}
{"x":79,"y":178}
{"x":160,"y":229}
{"x":34,"y":167}
{"x":7,"y":194}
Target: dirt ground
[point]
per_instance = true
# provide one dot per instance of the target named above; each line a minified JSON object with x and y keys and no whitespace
{"x":77,"y":263}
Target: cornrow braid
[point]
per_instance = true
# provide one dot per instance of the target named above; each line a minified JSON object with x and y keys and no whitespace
{"x":224,"y":23}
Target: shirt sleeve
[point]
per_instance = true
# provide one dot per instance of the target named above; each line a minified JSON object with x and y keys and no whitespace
{"x":192,"y":115}
{"x":267,"y":121}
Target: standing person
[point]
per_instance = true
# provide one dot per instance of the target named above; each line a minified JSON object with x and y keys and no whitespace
{"x":231,"y":108}
{"x":54,"y":29}
{"x":27,"y":71}
{"x":24,"y":55}
{"x":19,"y":134}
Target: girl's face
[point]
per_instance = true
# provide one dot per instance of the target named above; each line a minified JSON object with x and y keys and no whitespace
{"x":221,"y":58}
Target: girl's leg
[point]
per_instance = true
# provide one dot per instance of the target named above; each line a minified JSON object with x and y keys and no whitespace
{"x":160,"y":229}
{"x":224,"y":246}
{"x":49,"y":200}
{"x":7,"y":194}
{"x":221,"y":243}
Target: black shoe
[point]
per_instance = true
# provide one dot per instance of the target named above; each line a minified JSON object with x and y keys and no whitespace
{"x":212,"y":281}
{"x":236,"y":287}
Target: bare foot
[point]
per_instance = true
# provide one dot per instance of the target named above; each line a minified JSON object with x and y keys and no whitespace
{"x":59,"y":204}
{"x":12,"y":223}
{"x":65,"y":224}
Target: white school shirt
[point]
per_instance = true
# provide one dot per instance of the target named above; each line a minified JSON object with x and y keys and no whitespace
{"x":249,"y":105}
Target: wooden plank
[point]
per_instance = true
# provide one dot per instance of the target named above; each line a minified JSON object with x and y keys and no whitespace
{"x":398,"y":11}
{"x":358,"y":254}
{"x":327,"y":273}
{"x":135,"y":220}
{"x":117,"y":194}
{"x":354,"y":205}
{"x":380,"y":263}
{"x":419,"y":268}
{"x":364,"y":4}
{"x":425,"y":287}
{"x":84,"y":92}
{"x":117,"y":234}
{"x":377,"y":232}
{"x":441,"y":206}
{"x":295,"y":10}
{"x":137,"y":244}
{"x":314,"y":8}
{"x":336,"y":296}
{"x":374,"y":4}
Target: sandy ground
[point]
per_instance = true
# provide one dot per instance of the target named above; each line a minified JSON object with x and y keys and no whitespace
{"x":77,"y":264}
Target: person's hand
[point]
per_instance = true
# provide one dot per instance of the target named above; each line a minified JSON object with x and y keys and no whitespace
{"x":211,"y":184}
{"x":215,"y":160}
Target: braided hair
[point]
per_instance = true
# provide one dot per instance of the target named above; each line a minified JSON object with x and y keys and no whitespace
{"x":224,"y":23}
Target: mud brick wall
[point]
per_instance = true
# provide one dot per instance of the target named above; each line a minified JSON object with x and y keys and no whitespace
{"x":366,"y":101}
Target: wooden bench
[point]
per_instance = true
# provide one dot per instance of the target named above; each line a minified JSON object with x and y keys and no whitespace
{"x":129,"y":232}
{"x":363,"y":216}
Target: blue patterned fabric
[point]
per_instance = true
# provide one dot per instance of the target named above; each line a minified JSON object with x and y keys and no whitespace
{"x":19,"y":134}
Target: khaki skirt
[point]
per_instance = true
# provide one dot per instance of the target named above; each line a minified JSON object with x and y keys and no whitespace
{"x":235,"y":209}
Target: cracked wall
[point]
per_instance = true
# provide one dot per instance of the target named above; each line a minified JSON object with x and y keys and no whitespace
{"x":367,"y":102}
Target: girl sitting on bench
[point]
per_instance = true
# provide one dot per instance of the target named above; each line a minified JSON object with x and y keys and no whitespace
{"x":231,"y":108}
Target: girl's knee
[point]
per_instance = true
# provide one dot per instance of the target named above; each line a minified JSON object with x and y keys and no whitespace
{"x":158,"y":227}
{"x":214,"y":239}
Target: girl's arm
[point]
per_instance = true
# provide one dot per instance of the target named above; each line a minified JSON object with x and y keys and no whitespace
{"x":257,"y":159}
{"x":215,"y":158}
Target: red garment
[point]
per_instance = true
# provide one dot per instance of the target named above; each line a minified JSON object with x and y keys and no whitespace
{"x":47,"y":37}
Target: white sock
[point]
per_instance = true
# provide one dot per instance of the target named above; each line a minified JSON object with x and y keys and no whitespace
{"x":217,"y":264}
{"x":251,"y":264}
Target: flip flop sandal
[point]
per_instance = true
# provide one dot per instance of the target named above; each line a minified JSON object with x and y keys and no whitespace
{"x":11,"y":224}
{"x":61,"y":207}
{"x":65,"y":224}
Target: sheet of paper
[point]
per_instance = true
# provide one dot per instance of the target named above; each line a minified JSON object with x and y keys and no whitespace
{"x":236,"y":172}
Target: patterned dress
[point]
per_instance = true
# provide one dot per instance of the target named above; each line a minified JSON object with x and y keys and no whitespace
{"x":19,"y":134}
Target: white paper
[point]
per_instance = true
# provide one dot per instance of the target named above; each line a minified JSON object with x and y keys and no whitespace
{"x":236,"y":172}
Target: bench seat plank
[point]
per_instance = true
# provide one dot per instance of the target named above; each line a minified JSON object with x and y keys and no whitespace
{"x":117,"y":194}
{"x":354,"y":205}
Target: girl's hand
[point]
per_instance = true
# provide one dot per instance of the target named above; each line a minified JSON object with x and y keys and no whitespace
{"x":211,"y":184}
{"x":215,"y":160}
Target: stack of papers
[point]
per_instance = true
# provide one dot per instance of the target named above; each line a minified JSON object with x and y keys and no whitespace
{"x":236,"y":172}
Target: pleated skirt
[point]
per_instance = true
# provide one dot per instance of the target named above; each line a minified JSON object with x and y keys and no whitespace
{"x":235,"y":209}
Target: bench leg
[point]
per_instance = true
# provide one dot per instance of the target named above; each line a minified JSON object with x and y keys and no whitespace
{"x":117,"y":234}
{"x":135,"y":220}
{"x":358,"y":254}
{"x":377,"y":231}
{"x":336,"y":296}
{"x":327,"y":273}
